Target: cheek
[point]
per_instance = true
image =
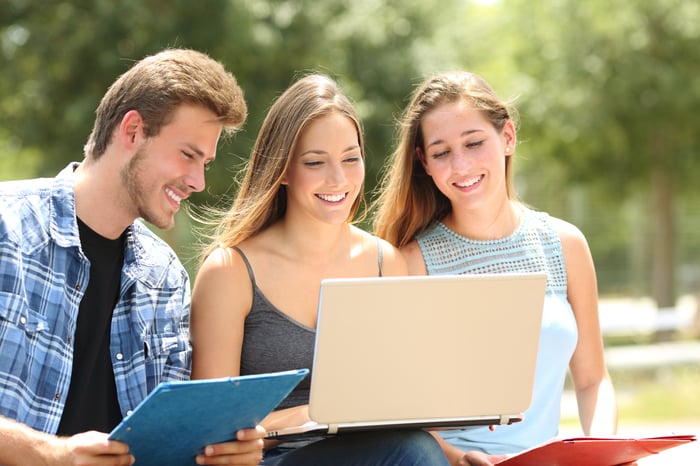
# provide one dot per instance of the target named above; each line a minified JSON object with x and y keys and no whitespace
{"x":356,"y":173}
{"x":438,"y":168}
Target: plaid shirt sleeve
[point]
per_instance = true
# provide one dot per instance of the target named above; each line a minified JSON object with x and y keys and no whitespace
{"x":41,"y":285}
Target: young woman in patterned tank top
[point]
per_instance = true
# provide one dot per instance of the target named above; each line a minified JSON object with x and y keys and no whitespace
{"x":290,"y":224}
{"x":447,"y":195}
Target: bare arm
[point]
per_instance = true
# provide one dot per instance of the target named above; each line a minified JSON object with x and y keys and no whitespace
{"x":221,"y":299}
{"x":594,"y":391}
{"x":394,"y":262}
{"x":457,"y":457}
{"x":414,"y":259}
{"x":21,"y":445}
{"x":454,"y":455}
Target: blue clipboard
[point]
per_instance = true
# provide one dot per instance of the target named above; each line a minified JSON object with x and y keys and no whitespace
{"x":178,"y":419}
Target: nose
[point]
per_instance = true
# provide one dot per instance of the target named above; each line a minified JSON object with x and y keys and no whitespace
{"x":195,"y":179}
{"x":336,"y":175}
{"x":460,"y":161}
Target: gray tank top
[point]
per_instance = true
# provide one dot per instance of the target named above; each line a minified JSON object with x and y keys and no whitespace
{"x":273,"y":341}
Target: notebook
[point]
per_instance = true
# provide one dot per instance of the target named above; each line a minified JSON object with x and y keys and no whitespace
{"x":178,"y":419}
{"x":605,"y":451}
{"x":439,"y":351}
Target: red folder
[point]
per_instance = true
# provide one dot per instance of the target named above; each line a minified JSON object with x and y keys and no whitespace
{"x":594,"y":451}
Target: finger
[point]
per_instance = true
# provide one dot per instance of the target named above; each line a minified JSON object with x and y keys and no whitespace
{"x":234,"y":448}
{"x":258,"y":432}
{"x":495,"y":459}
{"x":476,"y":458}
{"x":96,"y":443}
{"x":241,"y":447}
{"x":250,"y":458}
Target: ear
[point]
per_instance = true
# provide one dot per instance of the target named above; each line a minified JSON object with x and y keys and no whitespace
{"x":509,"y":137}
{"x":130,"y":132}
{"x":421,"y":157}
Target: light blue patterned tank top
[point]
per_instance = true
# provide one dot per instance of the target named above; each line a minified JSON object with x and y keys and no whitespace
{"x":533,"y":247}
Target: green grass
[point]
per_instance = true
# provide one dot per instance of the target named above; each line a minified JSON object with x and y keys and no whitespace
{"x":663,"y":396}
{"x":673,"y":395}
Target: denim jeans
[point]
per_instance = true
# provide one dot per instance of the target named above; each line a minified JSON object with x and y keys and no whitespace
{"x":370,"y":448}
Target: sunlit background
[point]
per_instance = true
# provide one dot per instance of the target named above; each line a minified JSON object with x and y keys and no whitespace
{"x":608,"y":94}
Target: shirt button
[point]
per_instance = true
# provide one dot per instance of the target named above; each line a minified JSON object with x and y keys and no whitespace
{"x":69,"y":340}
{"x":57,"y":396}
{"x":23,"y":320}
{"x":119,"y":356}
{"x":77,"y":287}
{"x":128,"y":412}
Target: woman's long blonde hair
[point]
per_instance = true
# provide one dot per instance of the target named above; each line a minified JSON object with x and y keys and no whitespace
{"x":262,"y":198}
{"x":408,"y":200}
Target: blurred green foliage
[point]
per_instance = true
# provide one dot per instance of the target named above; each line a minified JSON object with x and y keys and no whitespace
{"x":607,"y":94}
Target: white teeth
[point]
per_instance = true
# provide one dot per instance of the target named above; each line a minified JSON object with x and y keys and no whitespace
{"x":332,"y":197}
{"x":173,"y":196}
{"x":468,"y":183}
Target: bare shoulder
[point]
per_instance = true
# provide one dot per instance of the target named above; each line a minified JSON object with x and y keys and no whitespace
{"x":565,"y":228}
{"x":222,"y":277}
{"x":414,"y":259}
{"x":392,"y":261}
{"x":221,"y":261}
{"x":573,"y":242}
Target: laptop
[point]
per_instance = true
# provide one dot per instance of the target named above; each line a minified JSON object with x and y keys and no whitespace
{"x":435,"y":352}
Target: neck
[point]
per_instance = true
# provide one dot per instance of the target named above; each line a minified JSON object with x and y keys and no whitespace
{"x":314,"y":244}
{"x":485,"y":224}
{"x":97,"y":198}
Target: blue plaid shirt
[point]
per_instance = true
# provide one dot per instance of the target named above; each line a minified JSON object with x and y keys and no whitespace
{"x":43,"y":276}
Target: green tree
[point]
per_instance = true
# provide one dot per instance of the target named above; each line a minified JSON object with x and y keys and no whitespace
{"x":611,"y":91}
{"x":58,"y":57}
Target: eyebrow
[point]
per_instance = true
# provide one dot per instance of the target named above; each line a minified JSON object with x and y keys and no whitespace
{"x":321,"y":152}
{"x":462,"y":134}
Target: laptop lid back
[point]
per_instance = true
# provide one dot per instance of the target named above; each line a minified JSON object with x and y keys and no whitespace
{"x":426,"y":347}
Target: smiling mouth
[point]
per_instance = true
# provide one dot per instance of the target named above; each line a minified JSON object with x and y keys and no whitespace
{"x":470,"y":182}
{"x":171,"y":194}
{"x":332,"y":197}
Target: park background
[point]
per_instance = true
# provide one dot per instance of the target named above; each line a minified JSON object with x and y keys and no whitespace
{"x":608,"y":95}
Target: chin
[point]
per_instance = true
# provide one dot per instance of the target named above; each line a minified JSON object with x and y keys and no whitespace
{"x":163,"y":222}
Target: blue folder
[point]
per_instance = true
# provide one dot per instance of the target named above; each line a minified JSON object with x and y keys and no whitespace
{"x":178,"y":419}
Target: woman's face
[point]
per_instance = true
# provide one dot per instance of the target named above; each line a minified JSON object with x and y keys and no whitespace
{"x":327,"y":171}
{"x":465,"y":154}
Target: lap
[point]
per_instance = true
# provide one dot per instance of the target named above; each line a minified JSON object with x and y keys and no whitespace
{"x":370,"y":448}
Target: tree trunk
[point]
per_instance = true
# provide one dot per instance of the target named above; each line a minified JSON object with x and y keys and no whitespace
{"x":663,"y":240}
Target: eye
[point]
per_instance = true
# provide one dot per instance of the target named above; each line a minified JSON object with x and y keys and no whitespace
{"x":312,"y":163}
{"x":474,"y":144}
{"x":207,"y":166}
{"x":440,"y":154}
{"x":353,"y":159}
{"x":188,"y":155}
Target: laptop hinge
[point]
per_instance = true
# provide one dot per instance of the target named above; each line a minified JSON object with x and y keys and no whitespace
{"x":332,"y":429}
{"x":505,"y":419}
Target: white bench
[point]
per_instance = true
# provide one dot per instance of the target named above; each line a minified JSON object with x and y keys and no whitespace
{"x":629,"y":317}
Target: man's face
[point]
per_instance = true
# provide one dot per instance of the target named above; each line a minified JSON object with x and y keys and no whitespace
{"x":168,"y":167}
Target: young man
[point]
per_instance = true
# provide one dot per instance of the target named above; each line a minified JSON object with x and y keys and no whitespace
{"x":94,"y":308}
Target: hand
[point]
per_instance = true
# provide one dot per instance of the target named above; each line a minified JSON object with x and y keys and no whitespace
{"x":88,"y":448}
{"x":247,"y":449}
{"x":477,"y":458}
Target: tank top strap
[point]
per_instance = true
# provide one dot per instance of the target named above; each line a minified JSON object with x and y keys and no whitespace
{"x":247,"y":264}
{"x":380,"y":257}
